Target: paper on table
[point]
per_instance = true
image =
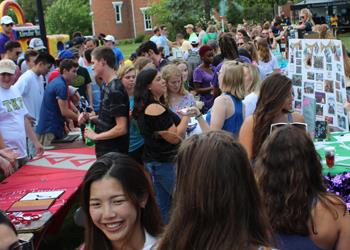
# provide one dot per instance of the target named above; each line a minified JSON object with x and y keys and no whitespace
{"x":342,"y":138}
{"x":42,"y":195}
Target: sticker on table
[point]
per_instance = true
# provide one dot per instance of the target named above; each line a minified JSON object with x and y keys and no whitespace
{"x":64,"y":160}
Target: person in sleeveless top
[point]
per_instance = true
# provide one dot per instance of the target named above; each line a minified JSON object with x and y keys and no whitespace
{"x":216,"y":201}
{"x":227,"y":112}
{"x":274,"y":106}
{"x":302,"y":213}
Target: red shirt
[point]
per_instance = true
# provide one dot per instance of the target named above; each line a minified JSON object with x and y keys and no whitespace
{"x":53,"y":75}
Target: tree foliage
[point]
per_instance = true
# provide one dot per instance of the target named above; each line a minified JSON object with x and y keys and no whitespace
{"x":30,"y":9}
{"x":67,"y":16}
{"x":177,"y":13}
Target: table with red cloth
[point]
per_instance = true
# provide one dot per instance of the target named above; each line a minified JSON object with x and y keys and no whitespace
{"x":62,"y":169}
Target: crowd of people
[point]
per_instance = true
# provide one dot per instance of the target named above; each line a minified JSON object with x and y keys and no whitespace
{"x":197,"y":142}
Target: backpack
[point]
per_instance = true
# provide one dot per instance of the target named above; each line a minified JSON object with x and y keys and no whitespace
{"x":193,"y":60}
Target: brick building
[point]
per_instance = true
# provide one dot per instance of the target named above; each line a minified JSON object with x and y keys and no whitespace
{"x":124,"y":19}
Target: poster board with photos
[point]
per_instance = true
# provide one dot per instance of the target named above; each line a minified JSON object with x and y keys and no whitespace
{"x":316,"y":68}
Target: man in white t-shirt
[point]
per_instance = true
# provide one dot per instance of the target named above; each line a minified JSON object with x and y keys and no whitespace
{"x":156,"y":36}
{"x":31,"y":87}
{"x":14,"y":125}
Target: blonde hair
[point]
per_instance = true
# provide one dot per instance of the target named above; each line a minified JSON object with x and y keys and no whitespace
{"x":256,"y":81}
{"x":211,"y":29}
{"x":323,"y":31}
{"x":124,"y":69}
{"x":308,"y":13}
{"x":170,"y":71}
{"x":232,"y":80}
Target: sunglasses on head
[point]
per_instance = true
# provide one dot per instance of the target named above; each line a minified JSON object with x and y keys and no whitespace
{"x":275,"y":126}
{"x":21,"y":245}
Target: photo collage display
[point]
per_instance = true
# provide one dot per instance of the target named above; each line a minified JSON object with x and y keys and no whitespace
{"x":317,"y":71}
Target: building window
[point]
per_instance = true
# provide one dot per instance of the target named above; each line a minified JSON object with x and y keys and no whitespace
{"x":118,"y":11}
{"x":147,"y":21}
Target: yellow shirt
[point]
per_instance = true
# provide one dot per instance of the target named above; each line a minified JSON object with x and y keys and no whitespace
{"x":334,"y":21}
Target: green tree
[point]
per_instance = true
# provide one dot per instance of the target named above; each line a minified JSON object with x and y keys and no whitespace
{"x":67,"y":16}
{"x":30,"y":10}
{"x":177,"y":13}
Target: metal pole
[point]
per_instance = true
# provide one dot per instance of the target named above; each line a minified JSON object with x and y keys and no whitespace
{"x":39,"y":7}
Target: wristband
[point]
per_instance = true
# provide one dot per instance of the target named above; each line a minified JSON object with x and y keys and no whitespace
{"x":198,"y":116}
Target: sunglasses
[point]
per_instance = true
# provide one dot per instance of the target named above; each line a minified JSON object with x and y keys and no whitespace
{"x":240,"y":44}
{"x":275,"y":126}
{"x":21,"y":245}
{"x":9,"y":25}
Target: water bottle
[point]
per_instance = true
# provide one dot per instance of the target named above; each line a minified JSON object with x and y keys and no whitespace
{"x":88,"y":141}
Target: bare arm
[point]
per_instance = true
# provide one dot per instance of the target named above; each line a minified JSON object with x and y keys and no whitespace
{"x":121,"y":128}
{"x":174,"y":134}
{"x":343,"y":241}
{"x":89,"y":94}
{"x":65,"y":111}
{"x":297,"y":117}
{"x":218,"y":113}
{"x":2,"y":143}
{"x":246,"y":136}
{"x":30,"y":133}
{"x":200,"y":90}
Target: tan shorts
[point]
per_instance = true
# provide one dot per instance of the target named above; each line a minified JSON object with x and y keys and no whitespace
{"x":46,"y":139}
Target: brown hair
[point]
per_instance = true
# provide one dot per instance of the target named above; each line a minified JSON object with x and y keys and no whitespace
{"x":346,"y":61}
{"x":274,"y":91}
{"x":228,"y":46}
{"x":210,"y":201}
{"x":289,"y":173}
{"x":263,"y":49}
{"x":252,"y":50}
{"x":106,"y":54}
{"x":141,"y":62}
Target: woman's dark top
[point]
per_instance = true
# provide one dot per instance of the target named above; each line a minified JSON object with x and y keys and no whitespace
{"x":295,"y":242}
{"x":156,"y":148}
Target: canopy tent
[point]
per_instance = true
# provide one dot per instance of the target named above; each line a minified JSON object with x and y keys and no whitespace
{"x":317,"y":3}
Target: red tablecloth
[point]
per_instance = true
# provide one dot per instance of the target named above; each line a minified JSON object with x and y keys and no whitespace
{"x":55,"y":170}
{"x":33,"y":179}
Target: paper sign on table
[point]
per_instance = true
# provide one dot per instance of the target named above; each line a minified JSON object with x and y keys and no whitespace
{"x":42,"y":195}
{"x":31,"y":205}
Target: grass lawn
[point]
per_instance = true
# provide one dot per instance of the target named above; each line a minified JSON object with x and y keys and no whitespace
{"x":345,"y":39}
{"x":127,"y":49}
